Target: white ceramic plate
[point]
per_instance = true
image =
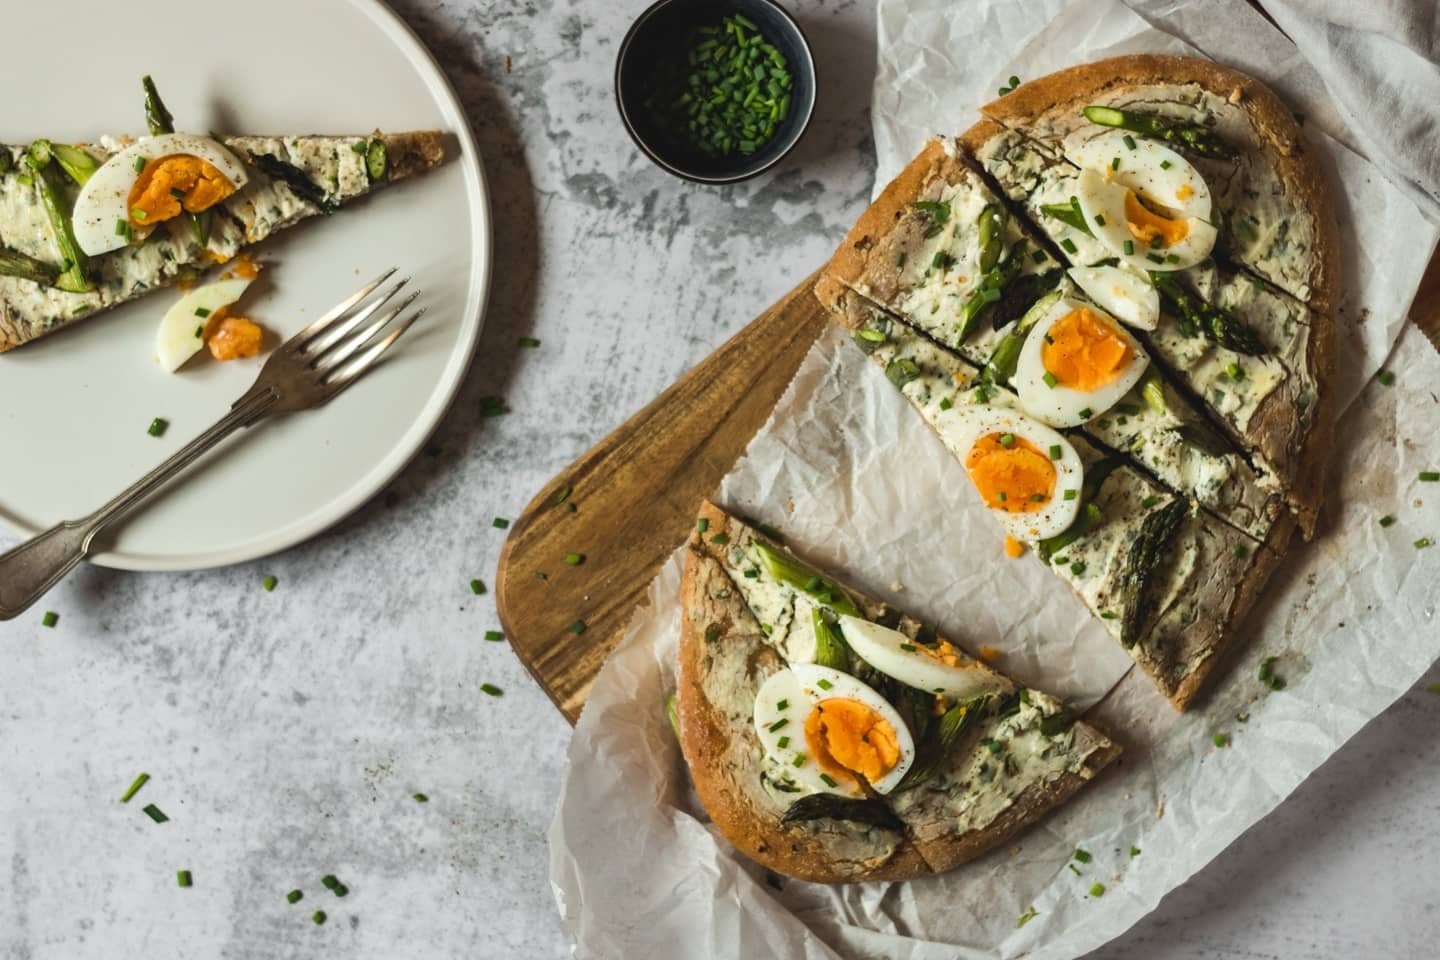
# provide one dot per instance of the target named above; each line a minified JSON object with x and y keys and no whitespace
{"x":75,"y":406}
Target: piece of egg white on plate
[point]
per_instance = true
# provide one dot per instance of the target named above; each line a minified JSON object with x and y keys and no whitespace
{"x":1124,"y":294}
{"x":104,"y":200}
{"x":181,"y":333}
{"x":962,"y":426}
{"x":782,"y":705}
{"x":913,"y":664}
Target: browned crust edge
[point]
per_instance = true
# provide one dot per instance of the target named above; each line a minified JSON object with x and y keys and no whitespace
{"x":1251,"y":587}
{"x":414,"y":152}
{"x":849,"y":261}
{"x":703,"y":743}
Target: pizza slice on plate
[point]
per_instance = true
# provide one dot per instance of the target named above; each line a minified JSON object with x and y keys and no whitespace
{"x":85,"y":227}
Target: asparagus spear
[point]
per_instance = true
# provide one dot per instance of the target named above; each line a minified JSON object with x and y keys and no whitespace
{"x":992,"y":232}
{"x":831,"y":650}
{"x":15,"y":264}
{"x":1001,"y":365}
{"x":995,"y":280}
{"x":828,"y":806}
{"x":1198,"y":139}
{"x":1068,"y":214}
{"x":948,"y":732}
{"x":788,"y":570}
{"x":1155,"y":535}
{"x":156,"y":115}
{"x":1198,"y":317}
{"x":74,"y":161}
{"x":72,"y":275}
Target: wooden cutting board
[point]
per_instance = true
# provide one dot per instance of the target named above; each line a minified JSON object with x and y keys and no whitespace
{"x":635,"y":495}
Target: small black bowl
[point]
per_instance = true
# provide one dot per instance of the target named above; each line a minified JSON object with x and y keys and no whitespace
{"x":660,"y":34}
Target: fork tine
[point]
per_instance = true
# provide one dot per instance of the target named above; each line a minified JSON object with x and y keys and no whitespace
{"x":339,"y":311}
{"x":336,"y":333}
{"x":355,"y":368}
{"x":335,"y":354}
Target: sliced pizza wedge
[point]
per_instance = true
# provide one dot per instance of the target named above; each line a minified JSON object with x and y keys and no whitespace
{"x":1190,"y":152}
{"x":1271,"y":209}
{"x":835,"y":739}
{"x":86,"y":227}
{"x":942,"y":251}
{"x":1172,"y":583}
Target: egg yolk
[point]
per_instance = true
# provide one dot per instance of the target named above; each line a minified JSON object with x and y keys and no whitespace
{"x":1145,"y":224}
{"x":167,"y":185}
{"x":233,"y":338}
{"x":847,"y":737}
{"x":1011,"y":473}
{"x":1085,"y":352}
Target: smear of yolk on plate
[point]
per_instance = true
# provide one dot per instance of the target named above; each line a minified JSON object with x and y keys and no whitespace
{"x":245,"y":267}
{"x":1011,"y":473}
{"x":989,"y":654}
{"x":847,"y":737}
{"x":1084,"y":351}
{"x":1145,"y":224}
{"x":173,"y":183}
{"x":232,"y":338}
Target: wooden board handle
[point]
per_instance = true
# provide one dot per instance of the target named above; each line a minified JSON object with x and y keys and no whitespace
{"x":635,"y":495}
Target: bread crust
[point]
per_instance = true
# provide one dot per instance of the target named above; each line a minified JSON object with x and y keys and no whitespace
{"x":709,"y":740}
{"x":852,"y":260}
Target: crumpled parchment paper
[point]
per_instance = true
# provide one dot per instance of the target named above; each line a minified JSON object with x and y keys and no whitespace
{"x":857,"y":483}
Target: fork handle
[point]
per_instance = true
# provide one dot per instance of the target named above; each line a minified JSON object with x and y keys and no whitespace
{"x":30,"y":569}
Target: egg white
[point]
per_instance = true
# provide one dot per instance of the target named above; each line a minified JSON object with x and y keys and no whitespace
{"x":961,"y":426}
{"x":1158,"y":174}
{"x":896,"y":655}
{"x":1062,"y":406}
{"x":177,"y":339}
{"x":1127,"y":296}
{"x":104,"y":200}
{"x":800,"y":687}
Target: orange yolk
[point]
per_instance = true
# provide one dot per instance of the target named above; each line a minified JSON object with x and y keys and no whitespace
{"x":989,"y":654}
{"x":1014,"y":548}
{"x":1184,"y":192}
{"x":169,"y":184}
{"x":1145,"y":224}
{"x":846,"y":737}
{"x":1011,"y":473}
{"x":232,"y":338}
{"x":1084,"y":352}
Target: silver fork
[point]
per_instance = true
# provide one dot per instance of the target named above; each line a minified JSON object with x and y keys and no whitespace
{"x":305,"y":371}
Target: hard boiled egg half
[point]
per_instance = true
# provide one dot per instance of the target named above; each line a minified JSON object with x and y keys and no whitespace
{"x":149,"y":183}
{"x":1144,"y":202}
{"x":937,"y":668}
{"x":182,"y":329}
{"x":826,"y":732}
{"x":1076,"y":363}
{"x":1028,"y":474}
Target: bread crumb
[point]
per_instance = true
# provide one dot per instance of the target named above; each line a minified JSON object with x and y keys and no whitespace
{"x":1159,"y":809}
{"x":897,"y":587}
{"x":507,"y":63}
{"x":1236,"y":94}
{"x":1014,"y":851}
